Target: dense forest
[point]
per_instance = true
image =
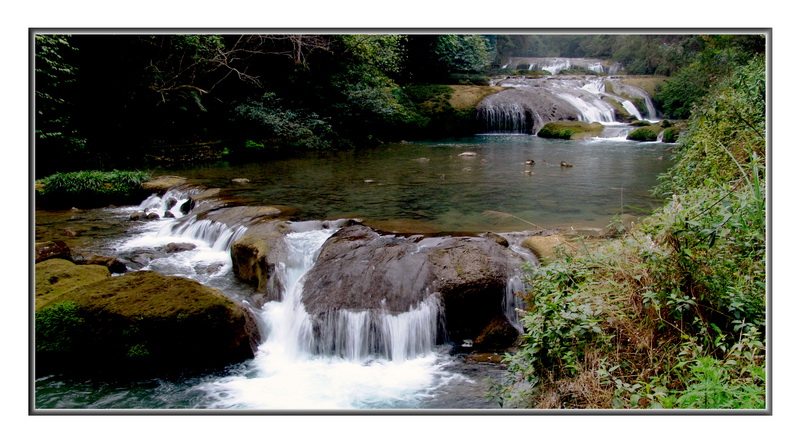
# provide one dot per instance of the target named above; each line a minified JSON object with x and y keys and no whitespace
{"x":120,"y":101}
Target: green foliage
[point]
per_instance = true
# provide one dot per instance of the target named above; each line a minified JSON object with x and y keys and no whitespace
{"x":268,"y":119}
{"x":92,"y":187}
{"x":720,"y":55}
{"x":642,"y":135}
{"x":59,"y":328}
{"x":56,"y":134}
{"x":385,"y":53}
{"x":463,"y":52}
{"x":724,"y":134}
{"x":671,"y":315}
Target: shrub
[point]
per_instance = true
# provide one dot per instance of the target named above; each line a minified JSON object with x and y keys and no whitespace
{"x":671,"y":315}
{"x":670,"y":135}
{"x":59,"y":328}
{"x":92,"y":188}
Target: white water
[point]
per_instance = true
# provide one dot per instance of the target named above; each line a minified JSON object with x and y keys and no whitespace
{"x":296,"y":369}
{"x":356,"y":360}
{"x":586,"y":95}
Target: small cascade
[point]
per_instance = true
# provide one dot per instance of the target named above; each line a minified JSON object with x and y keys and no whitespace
{"x":555,"y":65}
{"x":367,"y":334}
{"x":289,"y":327}
{"x":505,"y":118}
{"x":171,"y":202}
{"x":530,"y":103}
{"x":591,"y":108}
{"x":218,"y":235}
{"x":512,"y":302}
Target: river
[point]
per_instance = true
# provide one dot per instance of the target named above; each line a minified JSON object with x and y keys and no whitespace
{"x":470,"y":185}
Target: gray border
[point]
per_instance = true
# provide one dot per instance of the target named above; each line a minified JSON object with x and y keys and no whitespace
{"x":32,"y":411}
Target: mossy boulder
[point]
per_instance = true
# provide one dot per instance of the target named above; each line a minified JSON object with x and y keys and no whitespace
{"x":570,"y":130}
{"x":649,"y":132}
{"x":57,"y":276}
{"x":140,"y":323}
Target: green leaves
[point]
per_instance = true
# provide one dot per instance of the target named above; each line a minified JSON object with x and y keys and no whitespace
{"x":59,"y":328}
{"x":92,"y":187}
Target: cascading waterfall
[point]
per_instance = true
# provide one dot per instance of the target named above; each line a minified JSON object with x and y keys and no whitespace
{"x":506,"y":117}
{"x":362,"y":335}
{"x":533,"y":102}
{"x":350,"y":359}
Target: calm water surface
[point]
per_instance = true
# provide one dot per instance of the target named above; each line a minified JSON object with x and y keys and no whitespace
{"x":431,"y":187}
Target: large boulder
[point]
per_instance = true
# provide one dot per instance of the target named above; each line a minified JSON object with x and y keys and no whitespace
{"x":360,"y":269}
{"x":140,"y":323}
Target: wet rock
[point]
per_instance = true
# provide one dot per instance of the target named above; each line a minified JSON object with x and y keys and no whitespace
{"x":140,"y":258}
{"x":361,"y":269}
{"x":255,"y":255}
{"x":240,"y":181}
{"x":545,"y":247}
{"x":497,"y":335}
{"x":52,"y":250}
{"x":113,"y":264}
{"x":177,"y":247}
{"x":161,"y":184}
{"x":141,"y":323}
{"x":496,"y":237}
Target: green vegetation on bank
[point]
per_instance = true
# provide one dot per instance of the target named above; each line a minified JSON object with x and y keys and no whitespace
{"x":673,"y":313}
{"x":93,"y":188}
{"x":192,"y":98}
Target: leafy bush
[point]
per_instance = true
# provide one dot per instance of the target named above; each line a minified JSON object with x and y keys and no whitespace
{"x":93,"y":188}
{"x":59,"y":328}
{"x":671,"y":315}
{"x":670,"y":135}
{"x":267,"y":118}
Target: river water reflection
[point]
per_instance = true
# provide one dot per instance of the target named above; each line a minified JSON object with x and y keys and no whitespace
{"x":438,"y":187}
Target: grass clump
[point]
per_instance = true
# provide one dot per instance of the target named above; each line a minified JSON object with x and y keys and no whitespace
{"x":91,"y":188}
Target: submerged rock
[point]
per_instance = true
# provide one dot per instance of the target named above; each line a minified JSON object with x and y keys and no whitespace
{"x":140,"y":323}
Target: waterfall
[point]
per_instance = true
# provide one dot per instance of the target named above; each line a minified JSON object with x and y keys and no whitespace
{"x":170,"y":202}
{"x":531,"y":102}
{"x":218,"y":235}
{"x":347,"y":359}
{"x":555,"y":65}
{"x":364,"y":334}
{"x":506,"y":117}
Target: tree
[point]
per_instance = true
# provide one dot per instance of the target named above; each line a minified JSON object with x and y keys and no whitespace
{"x":58,"y":142}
